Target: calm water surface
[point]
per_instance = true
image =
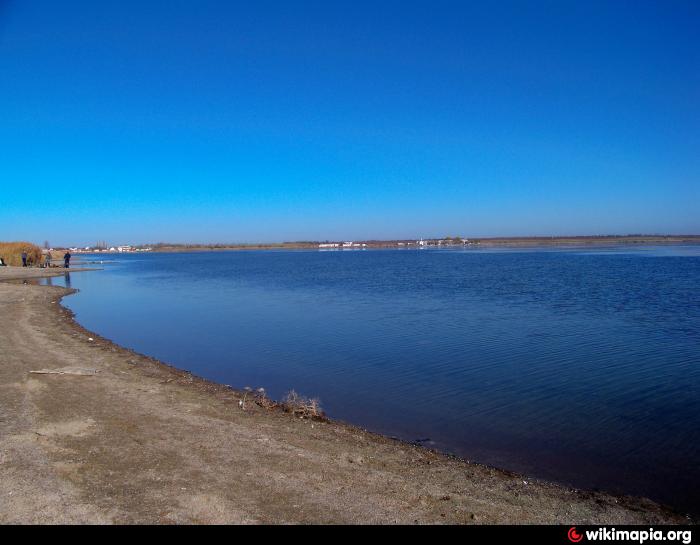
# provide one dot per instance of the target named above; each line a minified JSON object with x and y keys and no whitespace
{"x":580,"y":366}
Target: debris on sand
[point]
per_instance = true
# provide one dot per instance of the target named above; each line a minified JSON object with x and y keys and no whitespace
{"x":77,"y":371}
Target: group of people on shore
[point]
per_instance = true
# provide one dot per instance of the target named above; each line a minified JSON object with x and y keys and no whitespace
{"x":26,"y":260}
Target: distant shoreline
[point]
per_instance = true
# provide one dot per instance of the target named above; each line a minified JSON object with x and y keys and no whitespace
{"x":449,"y":242}
{"x":483,"y":242}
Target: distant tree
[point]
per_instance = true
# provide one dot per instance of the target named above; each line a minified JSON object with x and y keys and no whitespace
{"x":46,"y":245}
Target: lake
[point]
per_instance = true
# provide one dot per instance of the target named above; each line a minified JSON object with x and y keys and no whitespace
{"x":580,"y":366}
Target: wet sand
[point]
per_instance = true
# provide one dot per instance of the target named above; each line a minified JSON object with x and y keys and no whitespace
{"x":105,"y":435}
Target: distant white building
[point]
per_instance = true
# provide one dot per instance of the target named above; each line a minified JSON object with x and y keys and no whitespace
{"x":328,"y":245}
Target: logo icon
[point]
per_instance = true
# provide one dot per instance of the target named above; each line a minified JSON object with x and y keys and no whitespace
{"x":574,"y":536}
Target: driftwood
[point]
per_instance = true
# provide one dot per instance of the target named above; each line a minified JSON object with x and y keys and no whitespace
{"x":76,"y":371}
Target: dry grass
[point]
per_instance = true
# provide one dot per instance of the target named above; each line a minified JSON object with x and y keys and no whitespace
{"x":11,"y":253}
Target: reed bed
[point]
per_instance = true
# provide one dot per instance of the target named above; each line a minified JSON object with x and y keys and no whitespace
{"x":11,"y":253}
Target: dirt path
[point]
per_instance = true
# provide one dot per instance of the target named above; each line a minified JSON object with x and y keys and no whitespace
{"x":139,"y":442}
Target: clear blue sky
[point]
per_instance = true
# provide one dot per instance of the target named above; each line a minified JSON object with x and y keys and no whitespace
{"x":263,"y":121}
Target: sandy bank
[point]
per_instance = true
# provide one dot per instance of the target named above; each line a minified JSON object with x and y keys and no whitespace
{"x":140,"y":442}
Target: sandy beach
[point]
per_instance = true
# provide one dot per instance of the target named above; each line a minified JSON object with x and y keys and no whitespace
{"x":104,"y":435}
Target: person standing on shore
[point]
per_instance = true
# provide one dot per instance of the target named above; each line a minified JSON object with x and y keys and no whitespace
{"x":24,"y":259}
{"x":66,"y":260}
{"x":47,"y":261}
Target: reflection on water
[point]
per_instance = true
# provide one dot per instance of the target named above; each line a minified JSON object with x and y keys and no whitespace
{"x":63,"y":281}
{"x":581,"y":366}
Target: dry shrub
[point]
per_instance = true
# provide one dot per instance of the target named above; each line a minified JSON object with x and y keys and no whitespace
{"x":263,"y":401}
{"x":259,"y":397}
{"x":293,"y":403}
{"x":11,"y":253}
{"x":303,"y":407}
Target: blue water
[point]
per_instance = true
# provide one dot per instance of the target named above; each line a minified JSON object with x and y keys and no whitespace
{"x":579,"y":366}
